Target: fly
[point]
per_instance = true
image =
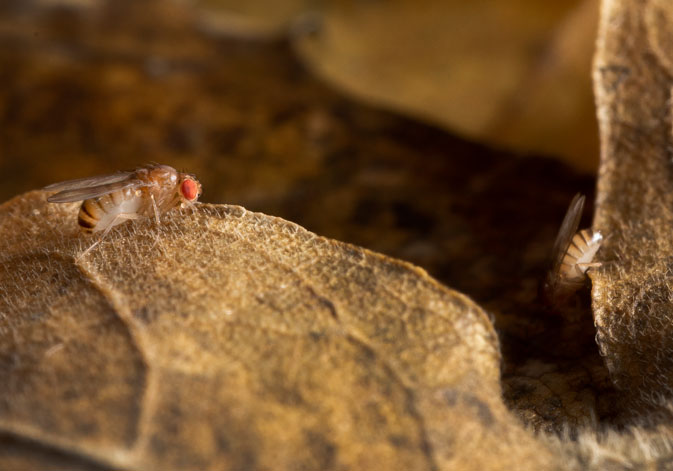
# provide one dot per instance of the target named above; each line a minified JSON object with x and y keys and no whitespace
{"x":572,"y":256}
{"x":109,"y":200}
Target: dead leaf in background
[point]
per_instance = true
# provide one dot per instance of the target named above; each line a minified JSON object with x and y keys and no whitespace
{"x":253,"y":19}
{"x":512,"y":73}
{"x":632,"y":293}
{"x":225,"y":339}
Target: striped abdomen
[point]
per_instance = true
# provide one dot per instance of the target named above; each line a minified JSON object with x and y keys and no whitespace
{"x":97,"y":214}
{"x":579,"y":256}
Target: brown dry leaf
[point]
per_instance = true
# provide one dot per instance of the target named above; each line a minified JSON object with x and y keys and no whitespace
{"x":225,"y":339}
{"x":633,"y":292}
{"x":252,"y":18}
{"x":513,"y":73}
{"x":229,"y":340}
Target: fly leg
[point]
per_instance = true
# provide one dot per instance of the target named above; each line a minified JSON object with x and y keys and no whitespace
{"x":190,"y":205}
{"x":156,"y":209}
{"x":585,"y":266}
{"x":118,"y":219}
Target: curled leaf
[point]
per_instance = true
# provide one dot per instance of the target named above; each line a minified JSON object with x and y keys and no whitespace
{"x":632,"y":293}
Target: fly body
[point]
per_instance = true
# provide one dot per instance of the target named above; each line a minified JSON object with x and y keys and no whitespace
{"x":109,"y":200}
{"x":572,"y":256}
{"x":579,"y":255}
{"x":105,"y":211}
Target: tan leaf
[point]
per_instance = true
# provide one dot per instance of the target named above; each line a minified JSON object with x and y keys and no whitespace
{"x":632,"y":292}
{"x":226,"y":339}
{"x":514,"y":73}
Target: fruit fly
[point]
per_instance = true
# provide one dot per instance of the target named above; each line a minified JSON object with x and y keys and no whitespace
{"x":109,"y":200}
{"x":572,"y":256}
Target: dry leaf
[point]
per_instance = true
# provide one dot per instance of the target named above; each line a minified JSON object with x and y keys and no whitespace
{"x":225,"y":339}
{"x":253,"y":18}
{"x":632,"y":292}
{"x":513,"y":73}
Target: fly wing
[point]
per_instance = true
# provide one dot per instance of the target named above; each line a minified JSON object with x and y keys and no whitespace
{"x":89,"y":182}
{"x":565,"y":234}
{"x":85,"y":193}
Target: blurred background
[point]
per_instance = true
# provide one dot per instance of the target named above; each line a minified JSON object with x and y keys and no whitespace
{"x":450,"y":134}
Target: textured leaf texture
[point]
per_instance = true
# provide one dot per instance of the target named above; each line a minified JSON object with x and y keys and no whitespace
{"x":632,"y":293}
{"x":225,"y":339}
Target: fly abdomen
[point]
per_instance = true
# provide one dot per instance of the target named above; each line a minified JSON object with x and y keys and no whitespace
{"x":89,"y":214}
{"x":572,"y":256}
{"x":97,"y":214}
{"x":578,"y":258}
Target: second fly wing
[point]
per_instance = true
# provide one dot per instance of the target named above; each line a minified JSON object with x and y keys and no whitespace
{"x":86,"y":188}
{"x":565,"y":234}
{"x":89,"y":181}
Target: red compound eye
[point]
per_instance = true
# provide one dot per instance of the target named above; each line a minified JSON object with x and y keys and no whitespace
{"x":189,"y":189}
